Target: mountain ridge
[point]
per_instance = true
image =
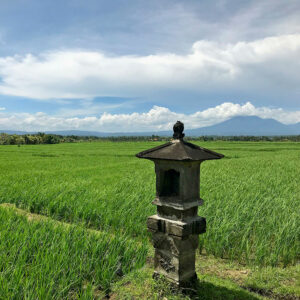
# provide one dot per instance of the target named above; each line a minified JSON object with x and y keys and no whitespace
{"x":236,"y":126}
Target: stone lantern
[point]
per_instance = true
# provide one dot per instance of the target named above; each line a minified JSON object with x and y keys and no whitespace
{"x":176,"y":226}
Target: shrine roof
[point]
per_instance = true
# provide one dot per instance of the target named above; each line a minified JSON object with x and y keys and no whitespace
{"x":178,"y":149}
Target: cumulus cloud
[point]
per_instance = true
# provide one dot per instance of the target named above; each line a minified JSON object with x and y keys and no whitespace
{"x":2,"y":108}
{"x":267,"y":65}
{"x":157,"y":118}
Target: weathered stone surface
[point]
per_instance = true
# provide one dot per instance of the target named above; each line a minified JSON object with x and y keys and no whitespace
{"x":177,"y":203}
{"x":178,"y":130}
{"x":196,"y":225}
{"x":179,"y":150}
{"x":177,"y":268}
{"x":183,"y":177}
{"x":177,"y":214}
{"x":174,"y":244}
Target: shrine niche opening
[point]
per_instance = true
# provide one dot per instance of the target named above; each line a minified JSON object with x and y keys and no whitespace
{"x":170,"y":183}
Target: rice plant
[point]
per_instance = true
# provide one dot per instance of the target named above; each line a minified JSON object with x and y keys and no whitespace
{"x":251,"y":196}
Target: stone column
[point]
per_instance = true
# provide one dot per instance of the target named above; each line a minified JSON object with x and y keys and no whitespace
{"x":175,"y":244}
{"x":176,"y":226}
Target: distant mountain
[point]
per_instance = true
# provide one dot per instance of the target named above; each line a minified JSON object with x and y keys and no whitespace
{"x":13,"y":132}
{"x":247,"y":126}
{"x":235,"y":126}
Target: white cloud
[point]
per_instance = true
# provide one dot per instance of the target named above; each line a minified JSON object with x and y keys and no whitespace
{"x":2,"y":108}
{"x":267,"y":65}
{"x":157,"y":118}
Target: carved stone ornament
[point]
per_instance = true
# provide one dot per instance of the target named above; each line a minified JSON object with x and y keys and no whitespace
{"x":178,"y":130}
{"x":165,"y":263}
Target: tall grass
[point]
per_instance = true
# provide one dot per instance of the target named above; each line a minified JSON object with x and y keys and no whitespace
{"x":253,"y":206}
{"x":251,"y":196}
{"x":45,"y":260}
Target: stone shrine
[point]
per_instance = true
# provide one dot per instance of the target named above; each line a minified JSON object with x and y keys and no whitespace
{"x":176,"y":226}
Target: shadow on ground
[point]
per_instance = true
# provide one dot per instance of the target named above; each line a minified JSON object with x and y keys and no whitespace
{"x":208,"y":291}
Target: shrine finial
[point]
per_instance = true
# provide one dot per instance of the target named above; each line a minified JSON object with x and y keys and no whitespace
{"x":178,"y":130}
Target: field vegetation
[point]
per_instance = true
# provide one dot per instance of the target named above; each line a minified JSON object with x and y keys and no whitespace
{"x":251,"y":203}
{"x":44,"y":260}
{"x":43,"y":138}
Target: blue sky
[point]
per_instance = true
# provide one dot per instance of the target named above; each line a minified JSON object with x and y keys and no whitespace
{"x":141,"y":65}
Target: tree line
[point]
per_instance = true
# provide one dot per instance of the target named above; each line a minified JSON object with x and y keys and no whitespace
{"x":43,"y":138}
{"x":31,"y":139}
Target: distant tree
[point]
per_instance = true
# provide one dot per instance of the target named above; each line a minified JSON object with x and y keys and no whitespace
{"x":51,"y":139}
{"x":27,"y":139}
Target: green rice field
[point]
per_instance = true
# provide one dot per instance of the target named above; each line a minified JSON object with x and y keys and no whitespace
{"x":97,"y":197}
